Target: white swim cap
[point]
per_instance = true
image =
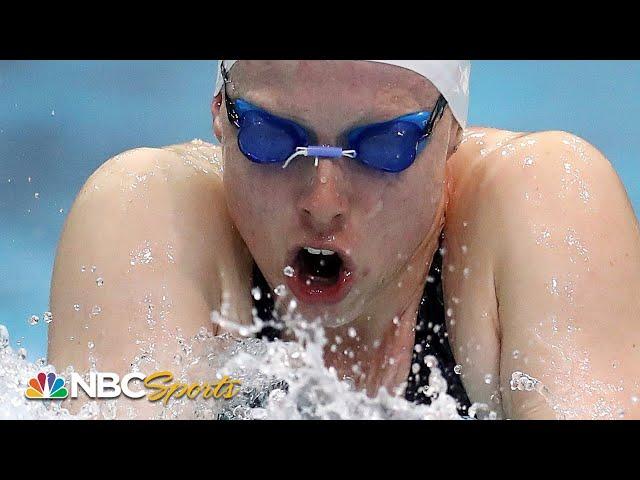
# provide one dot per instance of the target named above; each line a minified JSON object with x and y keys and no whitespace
{"x":450,"y":77}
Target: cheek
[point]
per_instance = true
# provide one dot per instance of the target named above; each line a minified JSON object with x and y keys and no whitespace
{"x":253,"y":195}
{"x":243,"y":196}
{"x":397,"y":213}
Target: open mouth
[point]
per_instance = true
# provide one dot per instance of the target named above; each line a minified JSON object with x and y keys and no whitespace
{"x":320,"y":275}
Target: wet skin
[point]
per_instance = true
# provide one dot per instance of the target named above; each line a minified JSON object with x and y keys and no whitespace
{"x":541,"y":270}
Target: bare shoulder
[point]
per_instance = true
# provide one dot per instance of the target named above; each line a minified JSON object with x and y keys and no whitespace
{"x":147,"y":194}
{"x":171,"y":198}
{"x":543,"y":248}
{"x":161,"y":166}
{"x":511,"y":169}
{"x":152,"y":224}
{"x":514,"y":187}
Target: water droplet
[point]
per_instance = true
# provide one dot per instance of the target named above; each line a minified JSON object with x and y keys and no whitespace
{"x":61,"y":210}
{"x":33,"y":320}
{"x":415,"y":368}
{"x":83,"y":269}
{"x":352,"y":332}
{"x":99,"y":281}
{"x":29,"y":179}
{"x":488,"y":378}
{"x":430,"y":361}
{"x":481,"y":411}
{"x":323,"y":180}
{"x":89,"y":410}
{"x":351,"y":384}
{"x":90,"y":344}
{"x":634,"y":398}
{"x":53,"y":113}
{"x":4,"y":337}
{"x":289,"y":271}
{"x":76,"y":307}
{"x":41,"y":362}
{"x":109,"y":410}
{"x":523,"y":382}
{"x":93,"y":268}
{"x":96,"y":310}
{"x":36,"y":195}
{"x":516,"y":354}
{"x":22,"y":353}
{"x":280,"y":290}
{"x":256,"y":293}
{"x":458,"y":369}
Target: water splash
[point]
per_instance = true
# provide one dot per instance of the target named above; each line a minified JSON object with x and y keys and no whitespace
{"x":279,"y":380}
{"x":289,"y":380}
{"x":15,"y":371}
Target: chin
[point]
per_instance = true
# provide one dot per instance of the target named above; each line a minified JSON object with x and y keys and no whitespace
{"x":327,"y":317}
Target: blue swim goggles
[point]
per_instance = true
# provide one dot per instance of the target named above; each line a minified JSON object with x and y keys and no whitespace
{"x":390,"y":146}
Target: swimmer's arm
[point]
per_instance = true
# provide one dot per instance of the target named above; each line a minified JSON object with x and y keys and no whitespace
{"x":151,"y":226}
{"x":567,"y":276}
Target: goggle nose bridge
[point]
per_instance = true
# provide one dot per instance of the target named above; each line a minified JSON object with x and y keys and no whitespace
{"x":320,"y":151}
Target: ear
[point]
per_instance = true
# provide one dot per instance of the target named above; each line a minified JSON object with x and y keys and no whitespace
{"x":216,"y":106}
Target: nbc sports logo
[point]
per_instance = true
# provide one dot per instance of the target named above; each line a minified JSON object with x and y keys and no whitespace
{"x":46,"y":386}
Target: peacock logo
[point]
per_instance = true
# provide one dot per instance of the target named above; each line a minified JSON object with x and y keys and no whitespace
{"x":46,"y":386}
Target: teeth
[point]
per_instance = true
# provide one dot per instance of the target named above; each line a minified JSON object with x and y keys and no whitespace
{"x":318,"y":251}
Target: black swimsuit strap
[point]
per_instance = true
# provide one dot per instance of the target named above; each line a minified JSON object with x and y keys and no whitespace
{"x":432,"y":339}
{"x":431,"y":336}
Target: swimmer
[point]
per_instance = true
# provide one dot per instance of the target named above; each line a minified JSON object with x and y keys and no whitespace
{"x":357,"y":189}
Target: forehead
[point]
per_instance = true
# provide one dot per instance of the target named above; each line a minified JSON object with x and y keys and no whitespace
{"x":335,"y":87}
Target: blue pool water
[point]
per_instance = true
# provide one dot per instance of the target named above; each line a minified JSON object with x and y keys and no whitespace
{"x":60,"y":120}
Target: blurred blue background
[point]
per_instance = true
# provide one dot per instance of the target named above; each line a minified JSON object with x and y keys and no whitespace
{"x":59,"y":120}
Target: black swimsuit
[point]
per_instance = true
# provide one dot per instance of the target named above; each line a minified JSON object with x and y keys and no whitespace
{"x":431,"y":336}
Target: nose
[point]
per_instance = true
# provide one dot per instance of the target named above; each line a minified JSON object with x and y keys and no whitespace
{"x":323,"y":205}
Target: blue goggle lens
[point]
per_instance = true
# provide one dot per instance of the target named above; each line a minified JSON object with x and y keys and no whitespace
{"x":264,"y":140}
{"x":390,"y":147}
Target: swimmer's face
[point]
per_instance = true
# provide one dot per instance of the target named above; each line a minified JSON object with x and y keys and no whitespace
{"x":377,"y":223}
